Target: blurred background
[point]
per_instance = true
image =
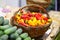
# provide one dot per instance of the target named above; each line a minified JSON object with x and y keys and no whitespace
{"x":20,"y":3}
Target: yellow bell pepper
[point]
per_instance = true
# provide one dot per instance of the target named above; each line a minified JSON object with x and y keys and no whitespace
{"x":42,"y":16}
{"x":39,"y":22}
{"x":26,"y":21}
{"x":34,"y":19}
{"x":30,"y":22}
{"x":43,"y":21}
{"x":17,"y":16}
{"x":33,"y":13}
{"x":21,"y":20}
{"x":49,"y":20}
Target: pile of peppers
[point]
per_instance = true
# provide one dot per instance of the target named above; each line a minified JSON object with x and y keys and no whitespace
{"x":33,"y":19}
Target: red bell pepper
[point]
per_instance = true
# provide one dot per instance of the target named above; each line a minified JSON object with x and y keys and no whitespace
{"x":38,"y":16}
{"x":45,"y":18}
{"x":23,"y":24}
{"x":30,"y":14}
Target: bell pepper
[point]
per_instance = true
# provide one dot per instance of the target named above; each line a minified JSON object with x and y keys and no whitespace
{"x":39,"y":22}
{"x":49,"y":20}
{"x":20,"y":20}
{"x":23,"y":24}
{"x":17,"y":16}
{"x":45,"y":18}
{"x":26,"y":21}
{"x":30,"y":14}
{"x":33,"y":13}
{"x":38,"y":16}
{"x":43,"y":21}
{"x":30,"y":22}
{"x":34,"y":20}
{"x":42,"y":16}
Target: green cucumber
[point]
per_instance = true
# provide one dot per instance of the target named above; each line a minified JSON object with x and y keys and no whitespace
{"x":0,"y":39}
{"x":6,"y":22}
{"x":1,"y":20}
{"x":24,"y":35}
{"x":4,"y":27}
{"x":19,"y":38}
{"x":10,"y":25}
{"x":28,"y":38}
{"x":4,"y":37}
{"x":10,"y":30}
{"x":19,"y":31}
{"x":1,"y":33}
{"x":14,"y":35}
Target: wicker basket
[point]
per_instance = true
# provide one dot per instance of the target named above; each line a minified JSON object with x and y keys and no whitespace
{"x":45,"y":5}
{"x":37,"y":31}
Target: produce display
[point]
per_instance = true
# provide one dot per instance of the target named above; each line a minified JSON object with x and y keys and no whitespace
{"x":9,"y":32}
{"x":31,"y":19}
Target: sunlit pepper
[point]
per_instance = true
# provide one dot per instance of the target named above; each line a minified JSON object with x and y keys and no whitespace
{"x":30,"y":22}
{"x":21,"y":20}
{"x":49,"y":20}
{"x":43,"y":21}
{"x":23,"y":24}
{"x":34,"y":20}
{"x":39,"y":22}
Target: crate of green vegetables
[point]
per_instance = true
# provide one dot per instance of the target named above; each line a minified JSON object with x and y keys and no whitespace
{"x":9,"y":32}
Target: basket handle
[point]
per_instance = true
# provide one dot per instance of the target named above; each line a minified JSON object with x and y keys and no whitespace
{"x":34,"y":5}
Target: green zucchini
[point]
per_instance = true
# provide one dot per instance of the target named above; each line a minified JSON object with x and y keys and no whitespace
{"x":4,"y":27}
{"x":19,"y":31}
{"x":4,"y":37}
{"x":14,"y":35}
{"x":1,"y":20}
{"x":24,"y":35}
{"x":19,"y":38}
{"x":1,"y":33}
{"x":6,"y":22}
{"x":10,"y":30}
{"x":33,"y":39}
{"x":28,"y":38}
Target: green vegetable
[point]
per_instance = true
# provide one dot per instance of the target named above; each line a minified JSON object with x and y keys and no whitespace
{"x":24,"y":35}
{"x":33,"y":39}
{"x":28,"y":38}
{"x":14,"y":35}
{"x":19,"y":38}
{"x":0,"y":39}
{"x":58,"y":36}
{"x":4,"y":37}
{"x":4,"y":27}
{"x":10,"y":30}
{"x":1,"y":33}
{"x":10,"y":25}
{"x":1,"y":20}
{"x":6,"y":22}
{"x":19,"y":31}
